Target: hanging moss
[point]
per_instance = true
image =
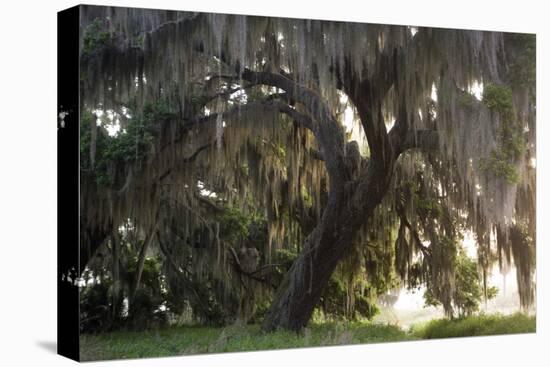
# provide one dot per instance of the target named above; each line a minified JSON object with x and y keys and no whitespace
{"x":467,"y":293}
{"x":523,"y":252}
{"x":99,"y":169}
{"x":522,"y":68}
{"x":467,"y":100}
{"x":442,"y":283}
{"x":96,"y":36}
{"x":502,"y":161}
{"x":223,"y":167}
{"x":132,"y":144}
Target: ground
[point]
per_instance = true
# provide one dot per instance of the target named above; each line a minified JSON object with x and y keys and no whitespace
{"x":185,"y":340}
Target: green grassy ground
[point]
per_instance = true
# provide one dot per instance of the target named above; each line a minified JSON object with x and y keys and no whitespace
{"x":476,"y":326}
{"x":186,"y":340}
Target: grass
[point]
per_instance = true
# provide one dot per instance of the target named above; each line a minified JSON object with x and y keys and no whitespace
{"x":185,"y":340}
{"x":476,"y":326}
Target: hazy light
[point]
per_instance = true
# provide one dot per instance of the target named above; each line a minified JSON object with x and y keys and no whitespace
{"x":477,"y":90}
{"x":434,"y":93}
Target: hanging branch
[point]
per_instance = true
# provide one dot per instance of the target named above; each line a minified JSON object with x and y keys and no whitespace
{"x":400,"y":210}
{"x":259,"y":275}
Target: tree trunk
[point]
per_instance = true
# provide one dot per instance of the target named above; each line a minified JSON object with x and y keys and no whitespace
{"x":345,"y":213}
{"x":116,"y":274}
{"x":141,"y":259}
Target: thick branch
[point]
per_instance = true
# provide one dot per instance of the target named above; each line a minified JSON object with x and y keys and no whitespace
{"x":403,"y":217}
{"x":425,"y":140}
{"x":269,"y":105}
{"x":367,"y":96}
{"x":257,"y":275}
{"x":326,"y":129}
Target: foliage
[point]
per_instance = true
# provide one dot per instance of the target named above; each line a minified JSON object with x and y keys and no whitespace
{"x":476,"y":326}
{"x":338,"y":301}
{"x":133,"y":143}
{"x":99,"y":171}
{"x":499,"y":166}
{"x":502,"y":160}
{"x":334,"y":304}
{"x":468,"y":288}
{"x":522,"y":70}
{"x":138,"y":136}
{"x":144,"y":312}
{"x":234,"y":224}
{"x":95,"y":36}
{"x":498,"y":98}
{"x":95,"y":308}
{"x":99,"y":298}
{"x":467,"y":100}
{"x":523,"y":250}
{"x":468,"y":291}
{"x":151,"y":274}
{"x":144,"y":309}
{"x":260,"y":124}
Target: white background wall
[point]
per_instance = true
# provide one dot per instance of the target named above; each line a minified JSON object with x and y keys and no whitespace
{"x":28,"y":183}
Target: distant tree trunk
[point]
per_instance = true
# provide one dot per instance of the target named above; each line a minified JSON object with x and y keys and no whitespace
{"x":141,"y":259}
{"x":115,"y":248}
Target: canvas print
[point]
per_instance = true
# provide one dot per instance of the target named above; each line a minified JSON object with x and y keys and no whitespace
{"x":255,"y":182}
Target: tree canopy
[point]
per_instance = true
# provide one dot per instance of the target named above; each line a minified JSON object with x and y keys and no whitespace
{"x":275,"y":167}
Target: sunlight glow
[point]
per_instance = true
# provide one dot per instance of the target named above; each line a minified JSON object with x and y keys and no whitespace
{"x":477,"y":90}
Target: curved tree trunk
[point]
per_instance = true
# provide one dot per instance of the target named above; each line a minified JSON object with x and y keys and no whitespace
{"x":301,"y":289}
{"x":351,"y":200}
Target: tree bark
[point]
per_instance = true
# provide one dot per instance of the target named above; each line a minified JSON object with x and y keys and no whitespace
{"x":301,"y":289}
{"x":115,"y":248}
{"x":346,"y":211}
{"x":141,"y":259}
